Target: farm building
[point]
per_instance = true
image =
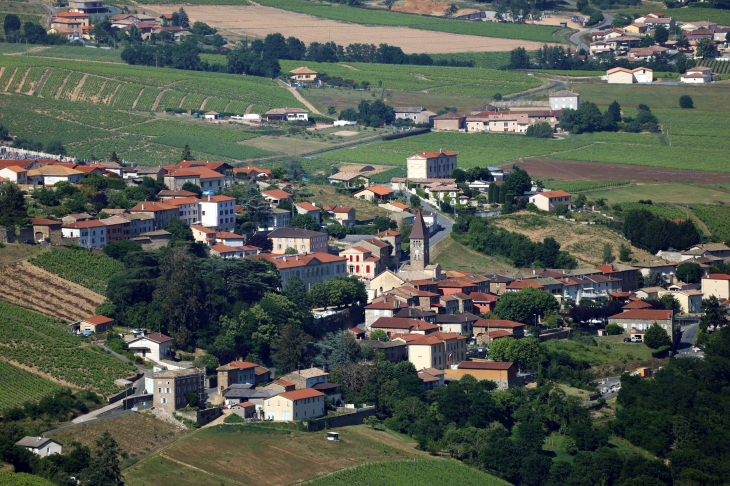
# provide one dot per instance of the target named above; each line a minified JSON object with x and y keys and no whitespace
{"x":155,"y":346}
{"x":449,"y":121}
{"x":211,"y":115}
{"x":547,"y":201}
{"x":564,"y":99}
{"x":697,"y":75}
{"x":92,"y":325}
{"x":303,"y":74}
{"x":621,"y":75}
{"x":287,"y":114}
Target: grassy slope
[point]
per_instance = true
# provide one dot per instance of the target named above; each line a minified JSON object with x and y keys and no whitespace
{"x":452,"y":255}
{"x":668,"y":192}
{"x":263,"y":455}
{"x":619,"y":352}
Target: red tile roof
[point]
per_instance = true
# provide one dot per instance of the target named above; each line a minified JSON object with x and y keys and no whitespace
{"x":300,"y":394}
{"x":91,"y":223}
{"x":483,"y":297}
{"x":388,"y":303}
{"x":379,"y":190}
{"x":410,"y":324}
{"x":152,"y":206}
{"x":552,"y":194}
{"x":388,"y":233}
{"x":484,"y":365}
{"x":717,"y":276}
{"x":645,"y":314}
{"x":521,"y":284}
{"x":44,"y":222}
{"x":98,"y":320}
{"x":244,"y":365}
{"x":220,"y":248}
{"x":637,"y":304}
{"x":497,"y":323}
{"x":158,"y":337}
{"x":307,"y":206}
{"x":277,"y":194}
{"x":217,"y":199}
{"x":284,"y":382}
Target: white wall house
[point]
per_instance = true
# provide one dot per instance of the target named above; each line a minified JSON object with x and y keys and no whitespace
{"x":91,"y":233}
{"x":564,"y":99}
{"x":41,"y":446}
{"x":218,"y":212}
{"x":155,"y":346}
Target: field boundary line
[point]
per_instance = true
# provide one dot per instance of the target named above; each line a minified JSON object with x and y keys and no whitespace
{"x":139,"y":95}
{"x":113,"y":97}
{"x":22,"y":81}
{"x":75,"y":94}
{"x":10,"y":80}
{"x":222,"y":478}
{"x":57,"y":96}
{"x":39,"y":85}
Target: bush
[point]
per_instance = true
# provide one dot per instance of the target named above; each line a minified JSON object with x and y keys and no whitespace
{"x":613,"y":329}
{"x":656,"y":337}
{"x":685,"y":101}
{"x":661,"y":352}
{"x":234,"y":419}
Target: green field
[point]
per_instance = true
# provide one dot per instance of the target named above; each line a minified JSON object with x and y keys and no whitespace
{"x":666,"y":192}
{"x":711,"y":97}
{"x":421,"y":472}
{"x":451,"y":254}
{"x":722,"y":17}
{"x":537,"y":33}
{"x":38,"y":341}
{"x":617,"y":353}
{"x":265,"y":454}
{"x":18,"y":386}
{"x":23,"y":19}
{"x":474,"y":149}
{"x":717,"y":219}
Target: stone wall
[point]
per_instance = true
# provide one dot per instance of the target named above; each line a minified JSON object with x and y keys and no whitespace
{"x":355,"y":418}
{"x":21,"y":235}
{"x":345,"y":319}
{"x":554,"y":335}
{"x":142,"y":402}
{"x":203,"y":417}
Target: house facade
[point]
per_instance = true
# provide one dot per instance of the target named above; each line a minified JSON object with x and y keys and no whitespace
{"x":302,"y":240}
{"x":564,"y":99}
{"x":547,"y":201}
{"x":171,"y":388}
{"x":717,"y":284}
{"x":295,"y":405}
{"x":90,"y":233}
{"x":155,"y":346}
{"x":431,"y":165}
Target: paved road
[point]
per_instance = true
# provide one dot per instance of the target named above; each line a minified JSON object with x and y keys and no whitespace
{"x":575,"y":38}
{"x":117,"y":414}
{"x":442,"y":220}
{"x":689,"y":335}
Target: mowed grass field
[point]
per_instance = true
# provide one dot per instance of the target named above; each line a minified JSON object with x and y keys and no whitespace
{"x":452,"y":255}
{"x":616,"y":352}
{"x":266,"y":454}
{"x":667,"y":192}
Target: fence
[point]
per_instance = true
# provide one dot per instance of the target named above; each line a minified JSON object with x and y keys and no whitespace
{"x":344,"y":319}
{"x":141,"y":402}
{"x":354,"y":418}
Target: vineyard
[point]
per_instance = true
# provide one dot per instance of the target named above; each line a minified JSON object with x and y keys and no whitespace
{"x":45,"y":344}
{"x":417,"y":472}
{"x":577,"y":186}
{"x":32,"y":78}
{"x":126,"y":96}
{"x":662,"y":210}
{"x":18,"y":386}
{"x":209,"y":146}
{"x":482,"y":83}
{"x":70,"y":86}
{"x":147,"y":99}
{"x":717,"y":219}
{"x":718,"y":67}
{"x":80,"y":266}
{"x":474,"y":149}
{"x":537,"y":33}
{"x":35,"y":289}
{"x":158,"y":128}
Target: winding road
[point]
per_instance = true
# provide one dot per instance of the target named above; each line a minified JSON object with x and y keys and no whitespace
{"x":575,"y":38}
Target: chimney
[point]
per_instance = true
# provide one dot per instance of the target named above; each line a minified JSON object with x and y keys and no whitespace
{"x":284,"y":258}
{"x":143,"y":207}
{"x":208,"y":197}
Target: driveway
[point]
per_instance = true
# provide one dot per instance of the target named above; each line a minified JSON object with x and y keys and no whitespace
{"x":689,"y":335}
{"x":575,"y":38}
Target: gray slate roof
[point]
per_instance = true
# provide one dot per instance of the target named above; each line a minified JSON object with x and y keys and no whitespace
{"x":34,"y":442}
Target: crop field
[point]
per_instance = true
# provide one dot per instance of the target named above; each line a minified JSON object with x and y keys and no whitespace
{"x":722,"y":17}
{"x":663,"y":210}
{"x":580,"y":186}
{"x":192,"y":102}
{"x":33,"y":288}
{"x":718,"y":67}
{"x":473,"y":149}
{"x":417,"y":472}
{"x":716,"y":218}
{"x":70,"y":86}
{"x":44,"y":344}
{"x":215,"y":104}
{"x":80,"y":266}
{"x":158,"y":128}
{"x":31,"y":79}
{"x":147,"y":99}
{"x":211,"y":146}
{"x":17,"y":80}
{"x":54,"y":81}
{"x":283,"y":455}
{"x":78,"y":52}
{"x":108,"y":91}
{"x":383,"y":17}
{"x":18,"y":386}
{"x":126,"y":96}
{"x":482,"y":60}
{"x":711,"y":97}
{"x":450,"y":253}
{"x":171,"y":99}
{"x":156,"y":154}
{"x":481,"y":83}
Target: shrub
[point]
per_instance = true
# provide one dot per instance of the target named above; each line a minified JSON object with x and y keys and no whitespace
{"x":233,"y":419}
{"x":613,"y":329}
{"x":685,"y":101}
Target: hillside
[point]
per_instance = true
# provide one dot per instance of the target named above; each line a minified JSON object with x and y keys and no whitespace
{"x":584,"y":242}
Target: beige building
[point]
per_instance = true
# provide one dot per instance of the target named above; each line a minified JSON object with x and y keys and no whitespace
{"x":454,"y":347}
{"x":306,"y":378}
{"x":717,"y":284}
{"x":547,"y":201}
{"x":171,"y":386}
{"x":427,"y":352}
{"x":304,"y":241}
{"x":312,"y":268}
{"x":449,"y":122}
{"x":635,"y":322}
{"x":416,"y":114}
{"x":503,"y":374}
{"x":303,"y":74}
{"x":431,"y":165}
{"x":295,"y":405}
{"x":236,"y":372}
{"x":621,"y":75}
{"x":689,"y":300}
{"x":41,"y":446}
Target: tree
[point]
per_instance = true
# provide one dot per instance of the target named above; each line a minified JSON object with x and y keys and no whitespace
{"x":119,"y":249}
{"x":624,"y":252}
{"x":379,"y":335}
{"x":11,"y":23}
{"x":186,"y":154}
{"x":518,"y":182}
{"x":288,"y":349}
{"x":297,"y":293}
{"x":654,"y":279}
{"x":670,"y":302}
{"x":182,"y":17}
{"x":656,"y":337}
{"x":331,"y":110}
{"x":613,"y":329}
{"x":278,"y":173}
{"x":608,"y":256}
{"x":661,"y":34}
{"x":451,"y":10}
{"x":523,"y":351}
{"x":689,"y":272}
{"x":291,"y":251}
{"x":615,"y":110}
{"x":415,"y":201}
{"x":519,"y":59}
{"x":524,"y":305}
{"x":192,"y":187}
{"x":180,"y":230}
{"x":389,"y":3}
{"x":12,"y":206}
{"x":685,"y":101}
{"x":705,"y":48}
{"x":104,"y":468}
{"x":498,"y":348}
{"x":304,"y":221}
{"x":540,"y":130}
{"x":715,"y":314}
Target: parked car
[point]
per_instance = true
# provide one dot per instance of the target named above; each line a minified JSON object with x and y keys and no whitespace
{"x":627,"y":340}
{"x":636,"y":339}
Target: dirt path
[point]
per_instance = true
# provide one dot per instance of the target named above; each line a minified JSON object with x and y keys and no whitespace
{"x":248,"y":109}
{"x":10,"y":80}
{"x":302,"y":100}
{"x":182,"y":100}
{"x":60,"y":89}
{"x":157,"y":100}
{"x":75,"y":94}
{"x":349,"y":67}
{"x":22,"y":80}
{"x":202,"y":105}
{"x":223,"y":479}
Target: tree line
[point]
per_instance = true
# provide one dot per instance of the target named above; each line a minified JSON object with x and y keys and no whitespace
{"x":588,"y":118}
{"x":30,"y":32}
{"x":655,"y":233}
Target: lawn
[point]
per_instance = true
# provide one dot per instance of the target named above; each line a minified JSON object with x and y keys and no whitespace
{"x":555,"y":447}
{"x":452,"y":255}
{"x":126,"y":431}
{"x":262,"y":455}
{"x":617,"y":351}
{"x":666,"y":192}
{"x":14,"y":252}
